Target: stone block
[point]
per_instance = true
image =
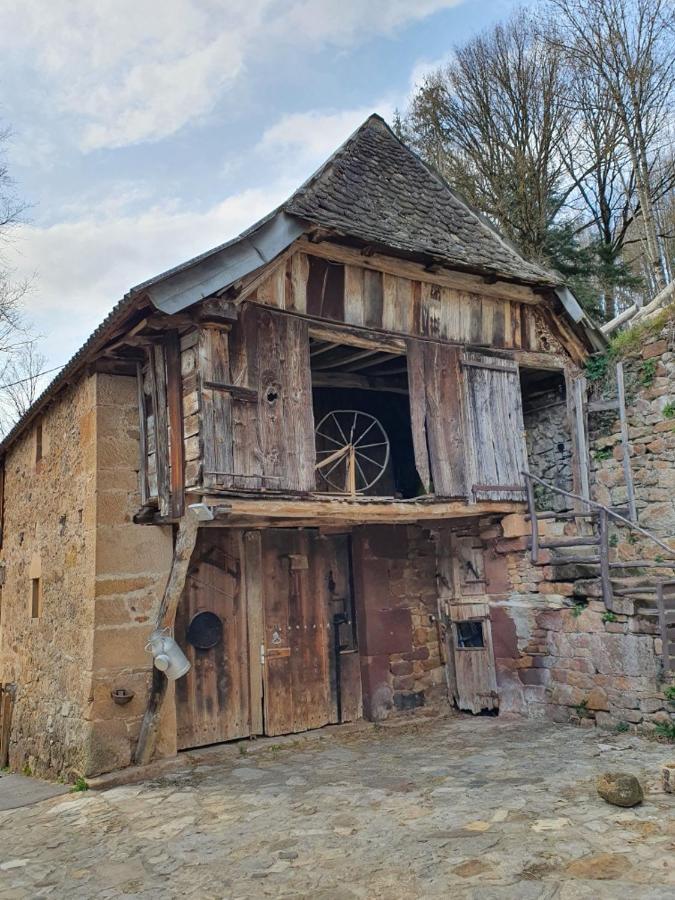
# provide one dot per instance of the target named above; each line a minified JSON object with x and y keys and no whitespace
{"x":515,"y":526}
{"x":649,"y":351}
{"x":597,"y":700}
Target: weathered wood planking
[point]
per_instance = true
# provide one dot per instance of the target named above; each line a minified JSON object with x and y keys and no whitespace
{"x":175,"y":419}
{"x":305,"y":581}
{"x":157,"y":371}
{"x":474,"y":668}
{"x":213,"y":699}
{"x":361,"y":296}
{"x":216,"y":407}
{"x":495,"y":432}
{"x":436,"y":416}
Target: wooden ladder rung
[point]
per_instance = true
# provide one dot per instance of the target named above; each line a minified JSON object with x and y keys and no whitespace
{"x":573,"y":560}
{"x":589,"y":541}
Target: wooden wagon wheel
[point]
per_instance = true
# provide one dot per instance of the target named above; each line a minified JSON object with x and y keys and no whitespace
{"x":357,"y":450}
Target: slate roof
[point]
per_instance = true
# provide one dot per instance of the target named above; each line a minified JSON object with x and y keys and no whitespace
{"x":375,"y":188}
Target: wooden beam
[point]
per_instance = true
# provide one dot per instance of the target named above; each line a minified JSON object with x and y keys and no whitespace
{"x":334,"y":510}
{"x":356,"y":337}
{"x":625,"y":443}
{"x":361,"y":382}
{"x":186,"y":538}
{"x":445,"y":277}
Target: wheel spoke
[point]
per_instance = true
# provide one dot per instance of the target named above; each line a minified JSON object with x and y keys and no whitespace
{"x":372,"y":425}
{"x":358,"y":466}
{"x":365,"y":446}
{"x":334,"y":466}
{"x":329,"y":438}
{"x":337,"y":422}
{"x":351,"y":435}
{"x":375,"y":462}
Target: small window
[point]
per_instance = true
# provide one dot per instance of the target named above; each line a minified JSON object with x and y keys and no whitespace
{"x":470,"y":635}
{"x":36,"y":598}
{"x":38,"y":441}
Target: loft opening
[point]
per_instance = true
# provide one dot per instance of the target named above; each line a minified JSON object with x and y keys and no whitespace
{"x":548,"y":434}
{"x":363,"y":433}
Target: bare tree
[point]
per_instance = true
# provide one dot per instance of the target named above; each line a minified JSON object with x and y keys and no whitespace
{"x":492,"y":122}
{"x":20,"y":383}
{"x":627,"y":44}
{"x":11,"y":291}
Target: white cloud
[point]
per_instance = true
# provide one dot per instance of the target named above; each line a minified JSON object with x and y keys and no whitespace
{"x":128,"y":71}
{"x":309,"y":137}
{"x":85,"y":266}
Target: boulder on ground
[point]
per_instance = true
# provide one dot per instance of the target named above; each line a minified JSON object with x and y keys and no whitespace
{"x":620,"y":789}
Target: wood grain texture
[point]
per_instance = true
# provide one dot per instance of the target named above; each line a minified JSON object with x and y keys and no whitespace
{"x":161,"y":426}
{"x":174,"y":395}
{"x":216,"y":407}
{"x":495,"y":432}
{"x":213,"y":699}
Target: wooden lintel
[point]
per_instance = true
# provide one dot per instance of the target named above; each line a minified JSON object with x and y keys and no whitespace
{"x":356,"y":337}
{"x":315,"y":512}
{"x":362,"y":382}
{"x":446,"y":277}
{"x":530,"y":360}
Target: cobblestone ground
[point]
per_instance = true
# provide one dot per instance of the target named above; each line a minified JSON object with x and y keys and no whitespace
{"x":456,"y":807}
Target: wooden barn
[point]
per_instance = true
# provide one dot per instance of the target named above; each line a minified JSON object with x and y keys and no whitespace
{"x":290,"y":452}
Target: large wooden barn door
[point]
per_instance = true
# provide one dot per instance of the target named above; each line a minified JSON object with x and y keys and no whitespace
{"x":311,"y":671}
{"x":213,"y":699}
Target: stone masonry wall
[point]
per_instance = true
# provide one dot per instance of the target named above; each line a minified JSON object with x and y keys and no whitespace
{"x":558,"y":654}
{"x":132,"y":566}
{"x":396,"y":605}
{"x":50,"y":533}
{"x":549,"y":446}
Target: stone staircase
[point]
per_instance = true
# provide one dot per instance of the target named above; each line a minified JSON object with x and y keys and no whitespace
{"x":577,"y":547}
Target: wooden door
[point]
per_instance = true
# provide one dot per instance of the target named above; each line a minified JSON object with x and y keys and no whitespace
{"x":213,"y":699}
{"x":311,"y":673}
{"x":495,"y":432}
{"x":475,"y":678}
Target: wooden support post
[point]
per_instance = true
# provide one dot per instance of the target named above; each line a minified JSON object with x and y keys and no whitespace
{"x":6,"y":709}
{"x":186,"y":538}
{"x":627,"y":471}
{"x":663,"y":628}
{"x":534,"y":548}
{"x":607,"y":594}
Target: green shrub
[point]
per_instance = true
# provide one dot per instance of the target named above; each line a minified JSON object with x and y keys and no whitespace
{"x":79,"y":786}
{"x":669,"y":693}
{"x":666,"y":730}
{"x":669,"y":411}
{"x":596,"y":367}
{"x":622,"y":727}
{"x":600,"y":455}
{"x":577,"y":609}
{"x":647,"y":372}
{"x":609,"y":616}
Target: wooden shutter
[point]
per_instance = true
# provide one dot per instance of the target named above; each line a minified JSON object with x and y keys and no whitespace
{"x":216,"y":424}
{"x":273,"y":425}
{"x":495,"y":433}
{"x":436,"y":416}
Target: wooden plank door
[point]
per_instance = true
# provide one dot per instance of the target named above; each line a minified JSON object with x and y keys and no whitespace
{"x":475,"y":677}
{"x":306,"y":584}
{"x":213,"y":699}
{"x":495,"y":431}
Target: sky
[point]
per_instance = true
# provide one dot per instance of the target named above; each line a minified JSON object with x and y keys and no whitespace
{"x":147,"y":131}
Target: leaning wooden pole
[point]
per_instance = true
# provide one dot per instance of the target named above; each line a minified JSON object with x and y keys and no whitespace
{"x":186,"y":539}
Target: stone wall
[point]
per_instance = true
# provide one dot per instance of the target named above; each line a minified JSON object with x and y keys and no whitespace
{"x":396,"y":607}
{"x":50,"y":534}
{"x":558,"y":654}
{"x":549,"y":446}
{"x":132,"y":566}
